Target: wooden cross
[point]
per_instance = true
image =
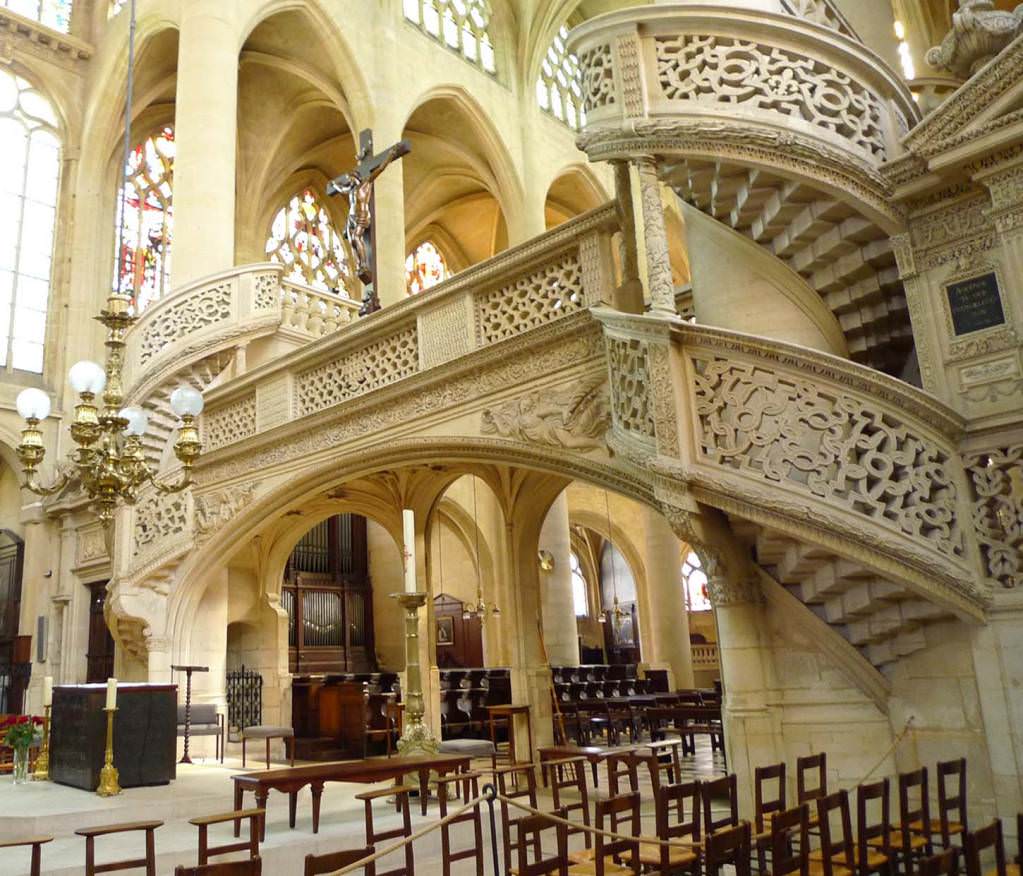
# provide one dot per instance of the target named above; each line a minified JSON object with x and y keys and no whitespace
{"x":360,"y":228}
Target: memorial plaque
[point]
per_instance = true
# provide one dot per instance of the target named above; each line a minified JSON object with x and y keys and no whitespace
{"x":145,"y":734}
{"x":975,"y":304}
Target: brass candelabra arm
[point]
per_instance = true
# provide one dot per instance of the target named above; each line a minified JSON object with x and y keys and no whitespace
{"x":166,"y":489}
{"x":34,"y":486}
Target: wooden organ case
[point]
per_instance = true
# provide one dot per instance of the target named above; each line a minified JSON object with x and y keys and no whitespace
{"x":329,"y":599}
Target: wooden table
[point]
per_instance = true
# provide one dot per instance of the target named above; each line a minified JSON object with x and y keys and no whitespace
{"x":595,"y":754}
{"x":291,"y":780}
{"x":508,"y":713}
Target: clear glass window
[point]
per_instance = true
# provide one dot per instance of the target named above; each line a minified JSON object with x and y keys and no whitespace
{"x":580,"y":588}
{"x":424,"y":267}
{"x":55,"y":14}
{"x":461,"y":25}
{"x":559,"y":88}
{"x":695,"y":579}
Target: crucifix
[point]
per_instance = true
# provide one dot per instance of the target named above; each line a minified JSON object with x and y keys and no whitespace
{"x":360,"y":228}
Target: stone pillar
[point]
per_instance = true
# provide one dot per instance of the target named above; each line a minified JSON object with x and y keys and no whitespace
{"x":35,"y":590}
{"x":655,"y":234}
{"x":669,"y":621}
{"x":206,"y":116}
{"x":390,"y":232}
{"x":628,"y":297}
{"x":560,"y":633}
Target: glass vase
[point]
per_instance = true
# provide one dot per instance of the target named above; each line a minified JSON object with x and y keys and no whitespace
{"x":20,"y":773}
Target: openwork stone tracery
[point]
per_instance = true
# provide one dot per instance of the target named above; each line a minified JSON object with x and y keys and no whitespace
{"x":996,"y":477}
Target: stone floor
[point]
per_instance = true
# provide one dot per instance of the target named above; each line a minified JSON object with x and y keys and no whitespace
{"x":202,"y":789}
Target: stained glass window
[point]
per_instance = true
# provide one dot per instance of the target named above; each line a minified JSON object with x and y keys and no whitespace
{"x":304,"y":240}
{"x":425,"y":267}
{"x":29,"y":169}
{"x":52,"y":13}
{"x":579,"y":588}
{"x":458,"y":24}
{"x":147,"y":220}
{"x":559,"y":88}
{"x":697,"y":596}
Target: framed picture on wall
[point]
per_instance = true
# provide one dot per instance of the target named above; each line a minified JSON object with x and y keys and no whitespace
{"x":445,"y":631}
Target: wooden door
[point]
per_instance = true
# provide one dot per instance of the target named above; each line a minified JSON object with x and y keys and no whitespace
{"x":99,"y":658}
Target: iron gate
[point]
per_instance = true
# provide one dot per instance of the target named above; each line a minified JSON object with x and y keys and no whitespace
{"x":244,"y":699}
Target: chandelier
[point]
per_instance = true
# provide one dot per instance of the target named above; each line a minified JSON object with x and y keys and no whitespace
{"x":109,"y":460}
{"x":480,"y":608}
{"x":616,"y":613}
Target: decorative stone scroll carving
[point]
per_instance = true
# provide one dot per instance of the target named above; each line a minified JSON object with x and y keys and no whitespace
{"x":542,"y":296}
{"x":630,"y":386}
{"x":712,"y":69}
{"x":821,"y":12}
{"x":598,"y":77}
{"x":232,"y":423}
{"x":575,"y":417}
{"x":213,"y":511}
{"x":195,"y":312}
{"x":268,"y":291}
{"x":979,"y":32}
{"x":996,"y":478}
{"x":830,"y":445}
{"x":377,"y":364}
{"x":158,"y":517}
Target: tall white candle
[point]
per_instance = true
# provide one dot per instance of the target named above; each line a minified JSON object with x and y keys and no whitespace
{"x":48,"y":690}
{"x":111,"y":693}
{"x":408,"y":519}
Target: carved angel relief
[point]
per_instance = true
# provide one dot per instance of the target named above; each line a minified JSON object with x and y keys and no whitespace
{"x":574,"y":417}
{"x":212,"y":512}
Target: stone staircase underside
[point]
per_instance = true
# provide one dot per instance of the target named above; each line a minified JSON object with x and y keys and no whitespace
{"x":883,"y":619}
{"x":844,"y":256}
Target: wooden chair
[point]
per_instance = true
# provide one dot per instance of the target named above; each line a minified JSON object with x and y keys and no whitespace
{"x":951,"y":820}
{"x":206,"y":851}
{"x":470,"y":784}
{"x":668,"y":758}
{"x":149,"y":861}
{"x":514,"y":782}
{"x":812,"y":783}
{"x":728,"y":846}
{"x":619,"y":815}
{"x":674,"y":800}
{"x":36,"y":842}
{"x":835,"y":856}
{"x":373,"y":836}
{"x":571,"y":775}
{"x":530,"y":836}
{"x":727,"y":788}
{"x":317,"y":865}
{"x":977,"y":842}
{"x":766,"y":806}
{"x":790,"y":842}
{"x":945,"y":863}
{"x":874,"y":835}
{"x":912,"y":840}
{"x":621,"y":767}
{"x":251,"y":867}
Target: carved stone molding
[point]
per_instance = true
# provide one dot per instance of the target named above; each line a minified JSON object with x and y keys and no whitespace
{"x":575,"y":417}
{"x":979,"y":32}
{"x":215,"y":510}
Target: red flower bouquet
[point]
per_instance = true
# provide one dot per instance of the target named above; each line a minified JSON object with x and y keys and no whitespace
{"x":21,"y":731}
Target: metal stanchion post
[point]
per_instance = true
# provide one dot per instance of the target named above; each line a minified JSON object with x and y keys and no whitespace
{"x":490,"y":792}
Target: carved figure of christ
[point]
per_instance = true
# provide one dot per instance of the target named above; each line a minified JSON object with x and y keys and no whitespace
{"x":360,"y":227}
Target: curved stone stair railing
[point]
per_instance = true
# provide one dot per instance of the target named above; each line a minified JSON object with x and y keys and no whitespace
{"x":846,"y":485}
{"x":772,"y":124}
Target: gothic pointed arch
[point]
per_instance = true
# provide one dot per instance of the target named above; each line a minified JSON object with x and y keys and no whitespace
{"x":30,"y":144}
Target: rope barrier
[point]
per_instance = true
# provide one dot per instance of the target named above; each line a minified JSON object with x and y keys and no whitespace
{"x":404,"y":841}
{"x":891,"y":748}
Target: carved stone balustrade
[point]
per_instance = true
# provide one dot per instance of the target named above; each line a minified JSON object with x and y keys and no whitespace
{"x":805,"y":444}
{"x":526,"y":289}
{"x":774,"y":124}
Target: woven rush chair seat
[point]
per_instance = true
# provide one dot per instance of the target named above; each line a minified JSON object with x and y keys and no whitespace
{"x":268,"y":732}
{"x":650,"y":855}
{"x":471,"y":747}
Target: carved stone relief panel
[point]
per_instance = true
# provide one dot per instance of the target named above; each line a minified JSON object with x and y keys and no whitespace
{"x":228,"y":424}
{"x":630,"y":386}
{"x":996,"y":479}
{"x":195,"y":312}
{"x":575,"y":417}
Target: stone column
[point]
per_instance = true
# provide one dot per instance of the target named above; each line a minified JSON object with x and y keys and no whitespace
{"x":655,"y":233}
{"x":560,"y":634}
{"x":628,"y":297}
{"x":669,"y":634}
{"x":206,"y":121}
{"x":35,"y":588}
{"x":390,"y":232}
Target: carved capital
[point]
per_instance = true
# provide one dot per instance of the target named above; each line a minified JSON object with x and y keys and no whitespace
{"x":725,"y":590}
{"x":979,"y":32}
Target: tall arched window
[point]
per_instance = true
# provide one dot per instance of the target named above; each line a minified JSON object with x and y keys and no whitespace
{"x":461,"y":25}
{"x":29,"y":169}
{"x":146,"y":210}
{"x":425,"y":267}
{"x":580,"y":588}
{"x":52,"y":13}
{"x":695,"y":579}
{"x":559,"y":88}
{"x":304,"y":240}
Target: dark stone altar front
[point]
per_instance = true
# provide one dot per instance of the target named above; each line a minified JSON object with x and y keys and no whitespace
{"x":145,"y":734}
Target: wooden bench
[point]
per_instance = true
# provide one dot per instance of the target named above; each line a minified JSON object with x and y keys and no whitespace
{"x":362,"y":772}
{"x":37,"y":842}
{"x":149,"y":861}
{"x":206,"y":851}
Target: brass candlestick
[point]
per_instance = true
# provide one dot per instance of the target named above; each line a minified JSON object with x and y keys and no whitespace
{"x":108,"y":786}
{"x":42,"y":772}
{"x":416,"y":737}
